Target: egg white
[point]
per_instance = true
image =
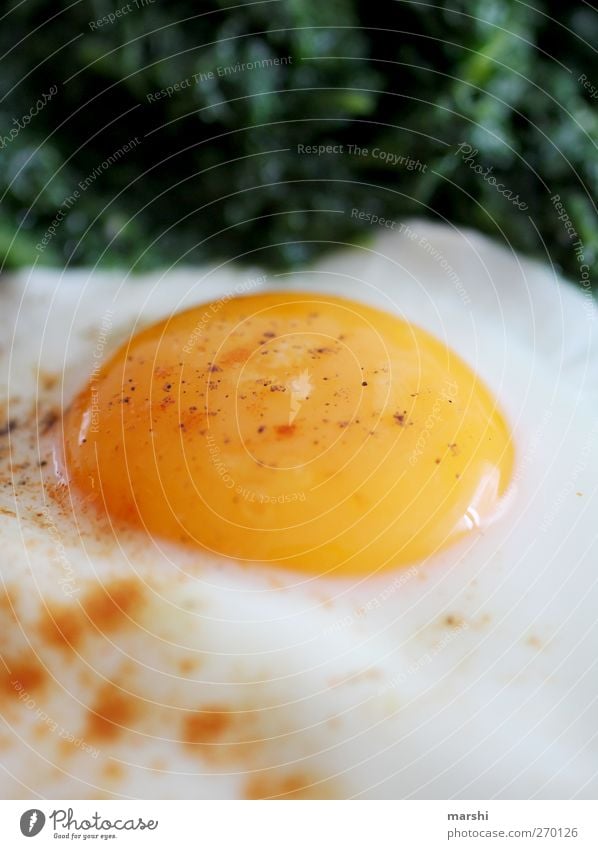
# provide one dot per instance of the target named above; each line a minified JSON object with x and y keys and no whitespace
{"x":472,"y":675}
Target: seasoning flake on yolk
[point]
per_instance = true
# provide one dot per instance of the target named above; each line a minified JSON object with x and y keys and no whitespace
{"x":304,"y":430}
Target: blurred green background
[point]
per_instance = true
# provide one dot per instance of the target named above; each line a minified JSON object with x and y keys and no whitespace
{"x":216,"y":173}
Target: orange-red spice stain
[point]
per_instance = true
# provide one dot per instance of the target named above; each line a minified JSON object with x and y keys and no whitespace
{"x":218,"y":733}
{"x":112,"y":714}
{"x":113,"y":771}
{"x":285,"y":430}
{"x":238,"y":356}
{"x":188,"y":665}
{"x":274,"y":785}
{"x":23,"y":674}
{"x":103,"y":609}
{"x":7,"y":604}
{"x":206,"y":726}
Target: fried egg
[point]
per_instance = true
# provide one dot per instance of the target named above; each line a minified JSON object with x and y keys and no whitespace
{"x":326,"y":534}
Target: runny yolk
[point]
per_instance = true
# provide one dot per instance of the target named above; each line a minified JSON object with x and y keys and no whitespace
{"x":303,"y":430}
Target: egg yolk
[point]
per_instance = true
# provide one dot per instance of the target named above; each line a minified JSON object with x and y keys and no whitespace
{"x":303,"y":430}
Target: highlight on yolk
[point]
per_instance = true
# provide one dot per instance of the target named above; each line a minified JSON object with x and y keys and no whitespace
{"x":298,"y":429}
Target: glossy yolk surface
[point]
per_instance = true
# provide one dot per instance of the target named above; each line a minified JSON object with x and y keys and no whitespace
{"x":309,"y":431}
